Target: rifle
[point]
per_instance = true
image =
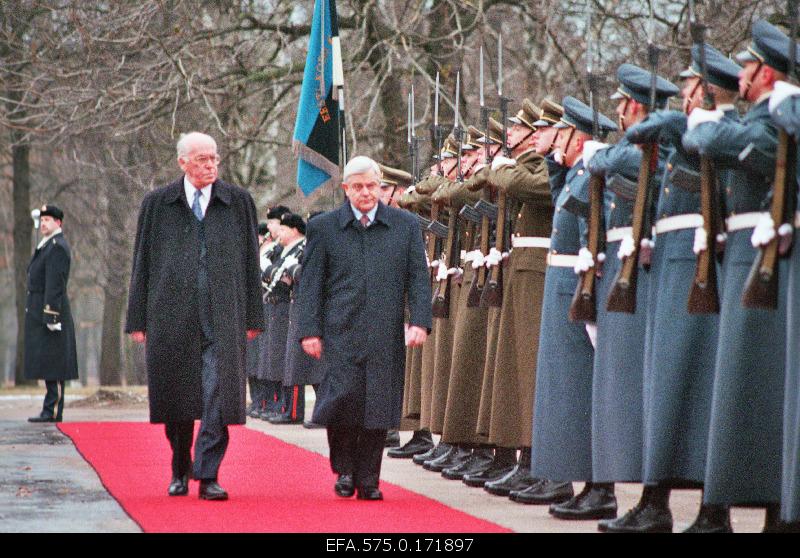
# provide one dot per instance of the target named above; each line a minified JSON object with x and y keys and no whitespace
{"x":441,"y":297}
{"x":622,"y":297}
{"x":492,"y":294}
{"x":584,"y":302}
{"x":703,"y":294}
{"x":761,"y":288}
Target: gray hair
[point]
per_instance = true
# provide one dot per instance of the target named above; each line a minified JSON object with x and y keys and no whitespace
{"x":361,"y":164}
{"x":187,"y":141}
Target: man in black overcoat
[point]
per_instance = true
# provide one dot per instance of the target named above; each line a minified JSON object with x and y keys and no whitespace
{"x":362,"y":262}
{"x":49,"y":331}
{"x":195,"y":301}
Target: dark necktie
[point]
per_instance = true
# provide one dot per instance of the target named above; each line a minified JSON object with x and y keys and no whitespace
{"x":196,"y":208}
{"x":364,"y":220}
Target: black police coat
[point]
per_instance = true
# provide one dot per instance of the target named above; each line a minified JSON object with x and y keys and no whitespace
{"x":49,"y":355}
{"x":352,"y":294}
{"x":163,"y":299}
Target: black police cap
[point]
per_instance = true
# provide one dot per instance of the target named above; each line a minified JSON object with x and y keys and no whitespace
{"x":294,"y":221}
{"x":277,"y":211}
{"x":52,"y":211}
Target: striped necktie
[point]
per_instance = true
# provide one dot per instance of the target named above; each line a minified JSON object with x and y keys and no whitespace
{"x":196,"y":208}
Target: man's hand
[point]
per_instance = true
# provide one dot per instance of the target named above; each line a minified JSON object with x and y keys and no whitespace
{"x":312,"y":346}
{"x":415,"y":336}
{"x":252,"y":334}
{"x":139,"y":336}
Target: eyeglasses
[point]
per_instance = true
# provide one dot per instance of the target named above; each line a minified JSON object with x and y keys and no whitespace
{"x":358,"y":186}
{"x":204,"y":159}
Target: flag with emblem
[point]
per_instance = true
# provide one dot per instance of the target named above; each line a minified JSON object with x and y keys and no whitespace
{"x":317,"y":130}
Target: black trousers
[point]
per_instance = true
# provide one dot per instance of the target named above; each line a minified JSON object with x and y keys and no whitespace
{"x":358,"y":452}
{"x":54,"y":399}
{"x":294,"y":402}
{"x":212,"y":439}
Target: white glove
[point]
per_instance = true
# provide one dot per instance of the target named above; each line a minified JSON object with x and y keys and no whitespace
{"x":434,"y":264}
{"x":590,"y":148}
{"x":591,"y":329}
{"x":494,"y":258}
{"x":700,"y":115}
{"x":411,"y":189}
{"x":782,"y":91}
{"x":479,"y":260}
{"x":54,"y":327}
{"x":700,"y":241}
{"x":558,"y":156}
{"x":501,"y":161}
{"x":722,"y":238}
{"x":442,"y":272}
{"x":601,"y":257}
{"x":764,"y":232}
{"x":626,"y":248}
{"x":585,"y":261}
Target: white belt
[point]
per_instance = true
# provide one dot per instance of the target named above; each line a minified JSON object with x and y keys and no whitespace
{"x":530,"y":242}
{"x":561,"y":260}
{"x":743,"y":221}
{"x":679,"y":222}
{"x":618,"y":233}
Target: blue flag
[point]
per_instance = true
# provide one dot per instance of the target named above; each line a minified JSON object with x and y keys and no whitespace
{"x":316,"y":130}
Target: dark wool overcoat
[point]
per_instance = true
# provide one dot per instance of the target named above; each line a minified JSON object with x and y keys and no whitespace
{"x":352,"y":294}
{"x":163,"y":300}
{"x":49,"y":355}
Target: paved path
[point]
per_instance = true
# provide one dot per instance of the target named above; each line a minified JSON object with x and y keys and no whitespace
{"x":45,"y":485}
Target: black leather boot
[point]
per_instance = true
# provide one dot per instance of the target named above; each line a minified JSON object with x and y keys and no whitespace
{"x":650,"y":515}
{"x":543,"y":492}
{"x":479,"y":460}
{"x":518,"y":479}
{"x":772,"y":519}
{"x":505,"y":459}
{"x":712,"y":519}
{"x":420,"y":442}
{"x":392,"y":439}
{"x":596,"y":501}
{"x":452,"y":458}
{"x":436,"y":451}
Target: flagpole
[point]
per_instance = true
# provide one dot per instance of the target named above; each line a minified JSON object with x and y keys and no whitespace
{"x":338,"y":85}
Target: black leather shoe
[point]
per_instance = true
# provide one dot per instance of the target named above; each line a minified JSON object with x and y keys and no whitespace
{"x":436,"y":451}
{"x":642,"y":518}
{"x":253,"y":413}
{"x":369,"y":493}
{"x":267,"y":415}
{"x":594,"y":502}
{"x":344,"y":486}
{"x":43,"y":418}
{"x":544,"y":492}
{"x":414,"y":446}
{"x":392,"y":439}
{"x":210,"y":490}
{"x":712,"y":519}
{"x":454,"y":457}
{"x":478,"y":461}
{"x":284,"y":419}
{"x":494,"y":472}
{"x":518,"y":479}
{"x":179,"y":486}
{"x":312,"y":425}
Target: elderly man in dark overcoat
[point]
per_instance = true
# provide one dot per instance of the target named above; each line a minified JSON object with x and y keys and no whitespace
{"x":195,"y":300}
{"x":362,"y":262}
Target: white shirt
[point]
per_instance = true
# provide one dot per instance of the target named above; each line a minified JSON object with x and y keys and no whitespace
{"x":205,"y":194}
{"x":726,"y":107}
{"x":762,"y":97}
{"x":370,"y":214}
{"x":43,"y":241}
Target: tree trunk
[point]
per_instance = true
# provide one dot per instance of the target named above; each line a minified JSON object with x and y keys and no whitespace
{"x":111,"y":345}
{"x":20,"y":153}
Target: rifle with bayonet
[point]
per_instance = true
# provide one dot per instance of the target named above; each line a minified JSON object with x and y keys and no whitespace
{"x":703,"y":294}
{"x":761,"y":288}
{"x":622,"y":297}
{"x":450,"y":258}
{"x":492,"y":294}
{"x":584,"y":303}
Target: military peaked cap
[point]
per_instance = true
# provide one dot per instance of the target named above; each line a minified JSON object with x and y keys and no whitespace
{"x":578,"y":115}
{"x":396,"y":177}
{"x":634,"y":83}
{"x":527,"y":115}
{"x":550,"y":115}
{"x":769,"y":46}
{"x":722,"y":71}
{"x":495,"y":133}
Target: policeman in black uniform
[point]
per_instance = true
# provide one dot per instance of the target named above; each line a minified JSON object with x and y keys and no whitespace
{"x":49,"y":332}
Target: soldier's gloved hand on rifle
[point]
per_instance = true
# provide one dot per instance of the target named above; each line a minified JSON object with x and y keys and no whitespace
{"x":442,"y":272}
{"x":764,"y":232}
{"x":590,"y":148}
{"x":782,"y":91}
{"x":700,"y":241}
{"x":585,"y":261}
{"x":495,"y":257}
{"x":700,"y":115}
{"x":626,"y":248}
{"x":476,"y":257}
{"x":500,"y":161}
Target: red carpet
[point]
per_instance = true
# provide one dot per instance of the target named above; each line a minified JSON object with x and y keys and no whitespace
{"x":273,"y":487}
